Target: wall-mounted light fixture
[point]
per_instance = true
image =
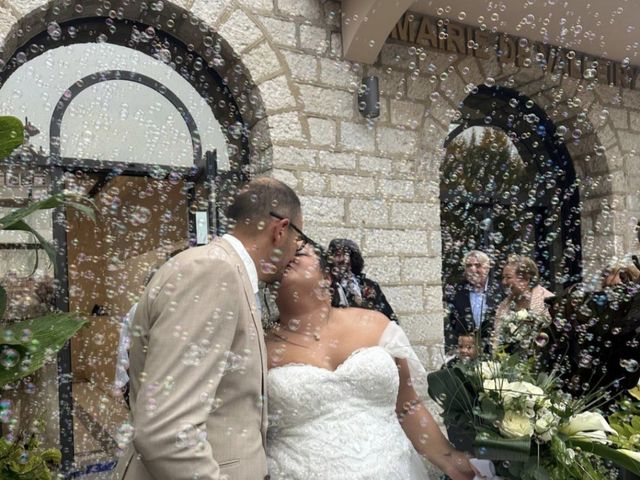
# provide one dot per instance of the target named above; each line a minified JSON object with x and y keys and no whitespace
{"x":369,"y":97}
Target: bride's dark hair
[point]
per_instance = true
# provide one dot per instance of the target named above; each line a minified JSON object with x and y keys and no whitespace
{"x":325,"y":264}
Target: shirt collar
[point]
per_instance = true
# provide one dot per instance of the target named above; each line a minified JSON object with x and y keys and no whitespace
{"x":249,"y":266}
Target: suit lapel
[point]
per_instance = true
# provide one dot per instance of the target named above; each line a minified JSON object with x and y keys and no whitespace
{"x":257,"y":322}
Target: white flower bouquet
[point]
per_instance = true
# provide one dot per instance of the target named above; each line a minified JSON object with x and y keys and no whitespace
{"x":524,"y":422}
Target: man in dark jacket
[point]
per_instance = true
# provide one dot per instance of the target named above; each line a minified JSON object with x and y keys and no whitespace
{"x":352,"y":288}
{"x":471,"y":306}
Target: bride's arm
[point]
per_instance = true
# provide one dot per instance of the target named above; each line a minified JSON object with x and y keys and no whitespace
{"x":424,"y":433}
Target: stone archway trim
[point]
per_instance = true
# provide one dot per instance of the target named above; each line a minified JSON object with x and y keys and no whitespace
{"x":366,"y":24}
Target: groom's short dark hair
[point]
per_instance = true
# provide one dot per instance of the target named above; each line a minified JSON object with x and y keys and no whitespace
{"x":262,"y":196}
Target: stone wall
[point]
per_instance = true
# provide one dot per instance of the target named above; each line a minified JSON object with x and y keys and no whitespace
{"x":377,"y":182}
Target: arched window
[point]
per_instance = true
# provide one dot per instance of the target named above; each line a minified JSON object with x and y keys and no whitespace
{"x":508,"y":186}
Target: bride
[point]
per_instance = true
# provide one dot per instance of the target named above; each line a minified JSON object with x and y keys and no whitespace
{"x":342,"y":404}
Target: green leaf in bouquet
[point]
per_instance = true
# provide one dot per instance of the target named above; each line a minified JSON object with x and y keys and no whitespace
{"x":47,"y":335}
{"x":492,"y":446}
{"x":606,"y":452}
{"x":447,"y":388}
{"x":489,"y":410}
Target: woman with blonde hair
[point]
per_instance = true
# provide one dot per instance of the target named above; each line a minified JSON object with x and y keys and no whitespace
{"x":520,"y":278}
{"x":620,"y":271}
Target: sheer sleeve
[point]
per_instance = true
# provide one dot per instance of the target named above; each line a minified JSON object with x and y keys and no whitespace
{"x":395,"y":341}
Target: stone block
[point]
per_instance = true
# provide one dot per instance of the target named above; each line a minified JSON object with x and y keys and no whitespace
{"x":397,"y":188}
{"x":352,"y":185}
{"x":396,"y":242}
{"x":634,"y":120}
{"x":413,"y":214}
{"x":619,"y":117}
{"x":392,"y":84}
{"x":338,"y":74}
{"x":277,"y":95}
{"x":285,"y":176}
{"x":383,"y":269}
{"x":313,"y":182}
{"x":314,"y":38}
{"x":240,"y":31}
{"x":309,"y":9}
{"x":396,"y":55}
{"x":396,"y":141}
{"x":419,"y":88}
{"x":357,"y":136}
{"x":210,"y":11}
{"x":259,"y":136}
{"x":433,"y":299}
{"x":406,"y":114}
{"x":332,"y":13}
{"x":323,"y":131}
{"x":280,"y":31}
{"x":422,"y":269}
{"x":405,"y":298}
{"x":303,"y":67}
{"x":324,"y":234}
{"x":327,"y":101}
{"x":335,"y":45}
{"x":427,"y":329}
{"x":337,"y":161}
{"x":369,"y":164}
{"x":286,"y":127}
{"x":284,"y":157}
{"x":368,"y":213}
{"x":629,"y":141}
{"x":259,"y":6}
{"x":7,"y":21}
{"x":262,"y":63}
{"x":319,"y":210}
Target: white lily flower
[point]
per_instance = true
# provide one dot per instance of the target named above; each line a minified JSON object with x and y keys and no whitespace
{"x":588,"y":425}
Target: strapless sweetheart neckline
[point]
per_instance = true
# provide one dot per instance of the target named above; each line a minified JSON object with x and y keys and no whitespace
{"x":336,"y":370}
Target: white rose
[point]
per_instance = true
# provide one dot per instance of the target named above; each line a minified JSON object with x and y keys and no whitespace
{"x":588,"y":425}
{"x":514,"y":390}
{"x":489,"y":370}
{"x":546,"y":423}
{"x":522,"y":314}
{"x":495,"y":384}
{"x":514,"y":425}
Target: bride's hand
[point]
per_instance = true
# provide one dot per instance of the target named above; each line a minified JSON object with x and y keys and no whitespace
{"x":460,"y":468}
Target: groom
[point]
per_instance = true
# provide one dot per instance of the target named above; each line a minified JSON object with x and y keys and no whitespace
{"x":197,"y":359}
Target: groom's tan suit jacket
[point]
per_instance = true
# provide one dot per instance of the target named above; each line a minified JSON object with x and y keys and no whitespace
{"x":197,"y":368}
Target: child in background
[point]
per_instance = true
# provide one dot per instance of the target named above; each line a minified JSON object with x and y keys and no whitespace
{"x":466,"y":352}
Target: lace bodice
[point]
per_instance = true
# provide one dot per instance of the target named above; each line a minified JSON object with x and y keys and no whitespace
{"x":339,"y":424}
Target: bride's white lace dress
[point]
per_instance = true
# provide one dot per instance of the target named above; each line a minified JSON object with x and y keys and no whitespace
{"x":341,"y":424}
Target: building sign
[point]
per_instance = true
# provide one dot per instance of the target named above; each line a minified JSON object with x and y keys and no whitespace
{"x":451,"y":37}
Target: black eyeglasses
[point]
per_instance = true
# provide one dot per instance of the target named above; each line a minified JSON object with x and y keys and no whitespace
{"x":303,"y":240}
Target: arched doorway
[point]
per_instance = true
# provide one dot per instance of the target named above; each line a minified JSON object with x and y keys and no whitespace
{"x":508,"y":186}
{"x":144,"y":196}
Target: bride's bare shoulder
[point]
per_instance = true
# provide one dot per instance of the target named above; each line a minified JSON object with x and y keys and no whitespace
{"x":360,"y":320}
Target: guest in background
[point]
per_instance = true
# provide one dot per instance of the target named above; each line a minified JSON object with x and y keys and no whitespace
{"x":466,"y":352}
{"x":352,"y":287}
{"x":621,"y":271}
{"x":520,"y":278}
{"x":470,"y":307}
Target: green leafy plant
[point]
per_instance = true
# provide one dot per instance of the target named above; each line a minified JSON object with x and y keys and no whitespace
{"x":27,"y":345}
{"x":27,"y":460}
{"x":11,"y":135}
